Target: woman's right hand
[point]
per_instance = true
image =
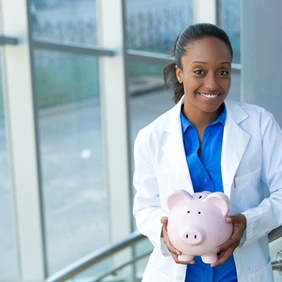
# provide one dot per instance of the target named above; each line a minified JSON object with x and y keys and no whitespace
{"x":174,"y":252}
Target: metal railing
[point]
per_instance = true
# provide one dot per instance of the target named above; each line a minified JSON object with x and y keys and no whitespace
{"x":134,"y":238}
{"x":277,"y":262}
{"x":96,"y":257}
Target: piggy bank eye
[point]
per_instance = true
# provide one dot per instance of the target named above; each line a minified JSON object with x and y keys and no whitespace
{"x":199,"y":212}
{"x":200,"y":197}
{"x":188,"y":211}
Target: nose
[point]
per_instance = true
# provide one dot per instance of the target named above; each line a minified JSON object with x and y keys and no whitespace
{"x":211,"y":82}
{"x":192,"y":236}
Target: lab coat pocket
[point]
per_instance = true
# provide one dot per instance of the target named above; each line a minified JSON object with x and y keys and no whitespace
{"x":250,"y":178}
{"x":246,"y":190}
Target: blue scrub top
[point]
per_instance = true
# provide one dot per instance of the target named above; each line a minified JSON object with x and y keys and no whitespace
{"x":204,"y":164}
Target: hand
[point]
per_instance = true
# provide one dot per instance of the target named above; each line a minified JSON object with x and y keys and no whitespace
{"x":174,"y":252}
{"x":225,"y":250}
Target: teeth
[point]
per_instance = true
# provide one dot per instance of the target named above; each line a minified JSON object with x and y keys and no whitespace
{"x":209,"y":96}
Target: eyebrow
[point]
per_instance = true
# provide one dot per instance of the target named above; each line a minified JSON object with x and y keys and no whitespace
{"x":205,"y":63}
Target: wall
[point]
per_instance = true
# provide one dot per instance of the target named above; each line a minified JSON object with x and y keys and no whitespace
{"x":261,"y":54}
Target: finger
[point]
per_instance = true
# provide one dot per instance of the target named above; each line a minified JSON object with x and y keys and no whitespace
{"x":164,"y":221}
{"x":223,"y":257}
{"x":181,"y":261}
{"x":231,"y":243}
{"x":184,"y":262}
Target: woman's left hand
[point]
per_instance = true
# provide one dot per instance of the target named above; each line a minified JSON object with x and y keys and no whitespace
{"x":226,"y":250}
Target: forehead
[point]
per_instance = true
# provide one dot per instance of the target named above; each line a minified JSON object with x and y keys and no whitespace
{"x":207,"y":50}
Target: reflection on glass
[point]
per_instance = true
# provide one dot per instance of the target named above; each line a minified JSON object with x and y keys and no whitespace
{"x":64,"y":20}
{"x":71,"y":156}
{"x":8,"y":254}
{"x":152,"y":25}
{"x":229,"y":20}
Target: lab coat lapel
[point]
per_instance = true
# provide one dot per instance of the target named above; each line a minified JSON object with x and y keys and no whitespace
{"x":174,"y":153}
{"x":235,"y":141}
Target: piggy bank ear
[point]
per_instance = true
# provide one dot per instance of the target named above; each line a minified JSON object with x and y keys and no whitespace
{"x":177,"y":197}
{"x":220,"y":200}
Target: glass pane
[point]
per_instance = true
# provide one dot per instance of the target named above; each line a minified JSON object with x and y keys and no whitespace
{"x":71,"y":154}
{"x":64,"y":20}
{"x":148,"y":96}
{"x":153,"y":25}
{"x":8,"y":253}
{"x":229,"y":20}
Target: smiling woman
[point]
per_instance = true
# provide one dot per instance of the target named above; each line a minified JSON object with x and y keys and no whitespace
{"x":213,"y":140}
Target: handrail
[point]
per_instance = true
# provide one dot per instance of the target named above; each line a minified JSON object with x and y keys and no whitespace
{"x":277,"y":262}
{"x":95,"y":257}
{"x":275,"y":234}
{"x":133,"y":238}
{"x":114,"y":270}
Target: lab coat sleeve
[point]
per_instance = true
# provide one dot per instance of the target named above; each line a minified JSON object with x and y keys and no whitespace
{"x":147,"y":208}
{"x":268,"y":214}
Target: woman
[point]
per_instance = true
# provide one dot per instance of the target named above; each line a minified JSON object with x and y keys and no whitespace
{"x":207,"y":142}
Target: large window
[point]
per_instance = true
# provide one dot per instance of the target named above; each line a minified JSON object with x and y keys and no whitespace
{"x":71,"y":149}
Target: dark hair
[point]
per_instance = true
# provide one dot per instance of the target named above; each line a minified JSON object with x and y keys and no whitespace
{"x":189,"y":35}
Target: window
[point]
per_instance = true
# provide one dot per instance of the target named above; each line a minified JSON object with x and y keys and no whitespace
{"x":69,"y":122}
{"x":229,"y":20}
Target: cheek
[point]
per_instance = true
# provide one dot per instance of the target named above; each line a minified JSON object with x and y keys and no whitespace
{"x":226,"y":85}
{"x":190,"y":85}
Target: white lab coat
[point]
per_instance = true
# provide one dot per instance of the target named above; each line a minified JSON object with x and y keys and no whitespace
{"x":251,"y":166}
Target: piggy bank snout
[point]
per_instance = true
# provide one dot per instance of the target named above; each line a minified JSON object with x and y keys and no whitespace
{"x":193,"y":235}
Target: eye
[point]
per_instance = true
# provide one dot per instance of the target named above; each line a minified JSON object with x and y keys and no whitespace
{"x":199,"y":72}
{"x":199,"y":212}
{"x":188,"y":211}
{"x":200,"y":197}
{"x":223,"y":73}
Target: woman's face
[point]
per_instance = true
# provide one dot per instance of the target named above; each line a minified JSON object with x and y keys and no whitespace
{"x":205,"y":76}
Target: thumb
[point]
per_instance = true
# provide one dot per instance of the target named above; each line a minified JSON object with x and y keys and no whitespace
{"x":164,"y":220}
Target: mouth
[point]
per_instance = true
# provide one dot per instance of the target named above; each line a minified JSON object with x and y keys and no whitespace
{"x":209,"y":96}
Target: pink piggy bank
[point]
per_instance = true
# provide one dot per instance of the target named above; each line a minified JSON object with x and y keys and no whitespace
{"x":197,"y":225}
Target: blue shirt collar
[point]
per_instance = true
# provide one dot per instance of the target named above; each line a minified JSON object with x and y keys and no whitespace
{"x":185,"y":123}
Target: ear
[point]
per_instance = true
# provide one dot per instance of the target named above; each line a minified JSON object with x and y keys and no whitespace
{"x":220,"y":200}
{"x":177,"y":197}
{"x":179,"y":74}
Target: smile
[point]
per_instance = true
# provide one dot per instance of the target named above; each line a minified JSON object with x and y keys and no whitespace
{"x":209,"y":96}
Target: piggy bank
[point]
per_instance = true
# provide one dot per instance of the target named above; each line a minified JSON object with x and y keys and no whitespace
{"x":197,"y":225}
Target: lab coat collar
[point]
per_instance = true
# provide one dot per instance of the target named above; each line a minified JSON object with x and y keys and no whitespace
{"x":235,"y":141}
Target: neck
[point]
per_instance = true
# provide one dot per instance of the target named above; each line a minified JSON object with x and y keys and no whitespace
{"x":200,"y":119}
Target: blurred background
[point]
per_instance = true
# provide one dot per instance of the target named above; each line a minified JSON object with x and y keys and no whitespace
{"x":78,"y":80}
